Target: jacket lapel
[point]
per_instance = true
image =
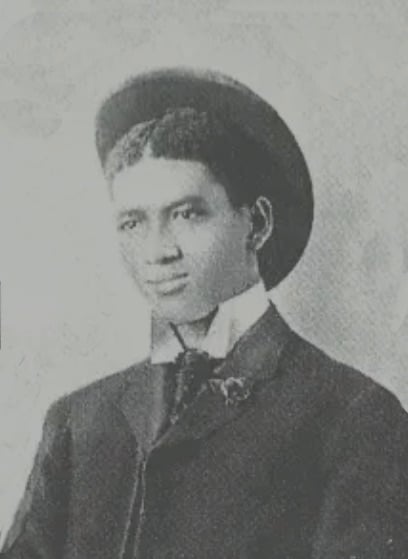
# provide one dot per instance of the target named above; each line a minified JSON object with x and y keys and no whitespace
{"x":143,"y":403}
{"x":255,"y":358}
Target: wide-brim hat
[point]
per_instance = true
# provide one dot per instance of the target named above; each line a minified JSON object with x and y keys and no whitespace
{"x":150,"y":95}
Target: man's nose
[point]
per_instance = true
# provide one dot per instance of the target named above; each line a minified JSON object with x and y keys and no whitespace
{"x":160,"y":246}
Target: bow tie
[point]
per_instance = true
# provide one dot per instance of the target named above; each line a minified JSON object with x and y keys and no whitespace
{"x":192,"y":370}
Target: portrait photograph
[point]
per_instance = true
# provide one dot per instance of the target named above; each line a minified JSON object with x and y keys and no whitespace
{"x":204,"y":279}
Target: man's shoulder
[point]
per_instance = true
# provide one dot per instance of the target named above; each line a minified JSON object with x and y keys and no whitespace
{"x":307,"y":371}
{"x":324,"y":379}
{"x":105,"y":389}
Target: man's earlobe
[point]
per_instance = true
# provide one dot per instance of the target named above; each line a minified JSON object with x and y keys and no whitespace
{"x":262,"y":222}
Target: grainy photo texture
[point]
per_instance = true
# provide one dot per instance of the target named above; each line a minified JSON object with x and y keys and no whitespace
{"x":204,"y":263}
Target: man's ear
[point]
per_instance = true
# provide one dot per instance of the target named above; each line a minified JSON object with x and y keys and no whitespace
{"x":262,"y":222}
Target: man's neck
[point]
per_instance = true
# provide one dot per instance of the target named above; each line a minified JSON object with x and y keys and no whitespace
{"x":194,"y":332}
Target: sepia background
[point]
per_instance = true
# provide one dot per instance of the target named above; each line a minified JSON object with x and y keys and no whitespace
{"x":337,"y":71}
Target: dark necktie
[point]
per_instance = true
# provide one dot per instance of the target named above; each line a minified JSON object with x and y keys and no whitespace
{"x":192,"y":369}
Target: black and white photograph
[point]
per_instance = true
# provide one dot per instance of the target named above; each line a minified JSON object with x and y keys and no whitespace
{"x":204,"y":279}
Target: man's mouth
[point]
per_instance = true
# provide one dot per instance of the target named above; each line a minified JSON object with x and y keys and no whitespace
{"x":169,"y":285}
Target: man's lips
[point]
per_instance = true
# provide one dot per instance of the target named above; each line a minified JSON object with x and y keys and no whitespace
{"x":166,"y":279}
{"x":169,"y":285}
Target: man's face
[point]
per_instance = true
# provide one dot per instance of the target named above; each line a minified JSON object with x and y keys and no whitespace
{"x":183,"y":242}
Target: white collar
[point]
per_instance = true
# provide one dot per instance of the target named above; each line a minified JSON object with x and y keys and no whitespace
{"x":233,"y":318}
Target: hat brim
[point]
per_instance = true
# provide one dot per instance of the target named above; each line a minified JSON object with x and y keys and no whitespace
{"x":148,"y":96}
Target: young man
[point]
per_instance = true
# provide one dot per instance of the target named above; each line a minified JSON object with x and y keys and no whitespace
{"x":236,"y":438}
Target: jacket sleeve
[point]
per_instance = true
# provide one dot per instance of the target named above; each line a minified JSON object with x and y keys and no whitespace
{"x":39,"y":527}
{"x":365,"y":502}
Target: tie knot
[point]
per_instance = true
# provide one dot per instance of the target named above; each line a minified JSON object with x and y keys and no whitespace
{"x":195,"y":363}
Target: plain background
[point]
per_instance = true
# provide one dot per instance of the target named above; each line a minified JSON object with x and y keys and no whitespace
{"x":337,"y":71}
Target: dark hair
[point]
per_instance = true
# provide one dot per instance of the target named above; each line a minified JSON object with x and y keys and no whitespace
{"x":234,"y":158}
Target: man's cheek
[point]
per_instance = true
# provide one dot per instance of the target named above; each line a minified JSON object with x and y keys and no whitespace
{"x":127,"y":258}
{"x":129,"y":252}
{"x":199,"y":241}
{"x":132,"y":262}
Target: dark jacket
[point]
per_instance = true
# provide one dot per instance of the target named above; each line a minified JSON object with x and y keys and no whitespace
{"x":314,"y":464}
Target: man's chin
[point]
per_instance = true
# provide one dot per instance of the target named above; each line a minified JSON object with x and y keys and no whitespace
{"x":183,"y":312}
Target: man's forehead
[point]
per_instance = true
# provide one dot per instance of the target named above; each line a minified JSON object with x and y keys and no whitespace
{"x":159,"y":183}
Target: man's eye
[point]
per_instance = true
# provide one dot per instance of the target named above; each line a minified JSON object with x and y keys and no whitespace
{"x":185,"y":213}
{"x":128,"y":225}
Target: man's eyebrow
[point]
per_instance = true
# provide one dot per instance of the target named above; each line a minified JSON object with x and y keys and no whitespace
{"x":190,"y":199}
{"x":139,"y":212}
{"x":131,"y":212}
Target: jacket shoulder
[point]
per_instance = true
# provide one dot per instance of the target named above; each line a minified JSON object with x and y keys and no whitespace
{"x":349,"y":412}
{"x":336,"y":383}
